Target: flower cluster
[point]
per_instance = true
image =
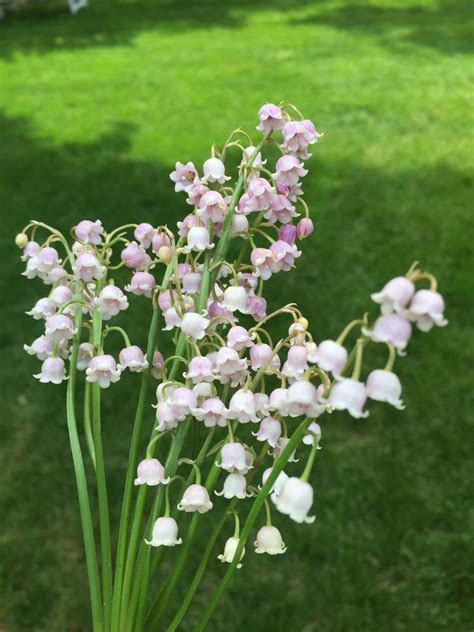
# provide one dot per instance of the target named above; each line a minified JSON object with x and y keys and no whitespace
{"x":252,"y":401}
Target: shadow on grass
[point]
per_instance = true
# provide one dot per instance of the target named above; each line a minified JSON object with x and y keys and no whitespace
{"x":374,"y":220}
{"x":115,"y":23}
{"x":446,"y":25}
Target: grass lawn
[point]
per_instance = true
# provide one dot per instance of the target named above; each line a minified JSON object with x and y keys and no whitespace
{"x":94,"y":111}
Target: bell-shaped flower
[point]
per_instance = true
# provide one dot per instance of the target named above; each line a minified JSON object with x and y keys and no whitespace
{"x":269,"y":541}
{"x":239,"y":224}
{"x":41,"y":347}
{"x":103,"y":369}
{"x":235,"y":486}
{"x":141,"y":284}
{"x":52,"y":370}
{"x":284,"y":255}
{"x":184,"y":176}
{"x":200,"y":369}
{"x":84,"y":355}
{"x":61,"y":294}
{"x":230,"y":367}
{"x":281,"y":445}
{"x":297,"y":135}
{"x":60,"y":327}
{"x":132,"y":358}
{"x":135,"y":256}
{"x":270,"y":117}
{"x":264,"y":262}
{"x":279,"y":401}
{"x":157,"y":365}
{"x":313,"y":435}
{"x":212,"y":412}
{"x":395,"y":295}
{"x":87,"y":267}
{"x":43,"y":308}
{"x":295,"y":500}
{"x":257,"y":161}
{"x":192,"y":282}
{"x":269,"y":430}
{"x":277,"y":485}
{"x":233,"y":458}
{"x":427,"y":309}
{"x":195,"y":194}
{"x":242,"y":407}
{"x":214,"y":171}
{"x":330,"y":356}
{"x":31,"y":249}
{"x":166,"y":416}
{"x":151,"y":472}
{"x":165,"y":533}
{"x":235,"y":299}
{"x":172,"y":319}
{"x":260,"y":194}
{"x":303,"y":399}
{"x":257,"y":307}
{"x":194,"y":325}
{"x":183,"y":401}
{"x":289,"y":170}
{"x":391,"y":328}
{"x":144,"y":234}
{"x":198,"y":240}
{"x":350,"y":395}
{"x":262,"y":354}
{"x":287,"y":233}
{"x":213,"y":207}
{"x":111,"y":301}
{"x":384,"y":386}
{"x":296,"y":362}
{"x":239,"y":338}
{"x":282,"y":210}
{"x":195,"y":498}
{"x":89,"y":232}
{"x":230,"y":549}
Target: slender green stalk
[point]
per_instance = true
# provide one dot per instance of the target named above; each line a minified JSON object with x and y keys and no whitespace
{"x":79,"y":470}
{"x":104,"y":521}
{"x":252,"y":516}
{"x":87,"y":422}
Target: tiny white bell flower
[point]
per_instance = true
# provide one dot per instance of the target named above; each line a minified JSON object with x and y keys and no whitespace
{"x":384,"y":386}
{"x":43,"y":308}
{"x":233,"y":458}
{"x":295,"y":500}
{"x":235,"y":299}
{"x":270,"y":430}
{"x":198,"y":240}
{"x":395,"y":295}
{"x":350,"y":395}
{"x":214,"y":171}
{"x":60,"y":327}
{"x":230,"y":550}
{"x":269,"y":541}
{"x":151,"y":472}
{"x":313,"y":435}
{"x":303,"y":399}
{"x":427,"y":309}
{"x":52,"y":370}
{"x":235,"y":486}
{"x":165,"y":533}
{"x":194,"y":325}
{"x":195,"y":498}
{"x":330,"y":356}
{"x":132,"y":358}
{"x":103,"y":369}
{"x":277,"y":485}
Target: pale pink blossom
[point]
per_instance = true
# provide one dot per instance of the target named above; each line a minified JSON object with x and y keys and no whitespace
{"x":159,"y":239}
{"x":287,"y":233}
{"x":194,"y":197}
{"x":427,"y":309}
{"x":270,"y":117}
{"x":330,"y":356}
{"x":200,"y":369}
{"x":295,"y":500}
{"x":157,"y":365}
{"x":279,"y":401}
{"x":52,"y":370}
{"x":264,"y":262}
{"x":235,"y":486}
{"x":384,"y":386}
{"x":239,"y":224}
{"x":43,"y":308}
{"x":257,"y":307}
{"x":103,"y":369}
{"x":262,"y":354}
{"x":89,"y":232}
{"x":305,"y":228}
{"x":30,"y":250}
{"x":60,"y":327}
{"x":392,"y":329}
{"x":257,"y":161}
{"x":198,"y":240}
{"x":135,"y":257}
{"x":84,"y":355}
{"x":260,"y":194}
{"x":296,"y":362}
{"x":195,"y":498}
{"x":111,"y":301}
{"x":144,"y":234}
{"x":184,"y":176}
{"x":303,"y":399}
{"x":269,"y":430}
{"x":289,"y":170}
{"x":281,"y":445}
{"x":88,"y":267}
{"x":213,"y":207}
{"x":194,"y":325}
{"x":239,"y":338}
{"x":165,"y":533}
{"x":297,"y":136}
{"x":141,"y":284}
{"x":172,"y":319}
{"x":284,"y":255}
{"x":61,"y":294}
{"x":132,"y":358}
{"x":313,"y":434}
{"x":192,"y":282}
{"x":42,"y":347}
{"x":235,"y":299}
{"x":166,"y":416}
{"x":281,"y":210}
{"x":230,"y":367}
{"x":242,"y":407}
{"x":233,"y":458}
{"x":350,"y":395}
{"x":395,"y":295}
{"x":183,"y":401}
{"x":277,"y":485}
{"x":212,"y":412}
{"x":151,"y":472}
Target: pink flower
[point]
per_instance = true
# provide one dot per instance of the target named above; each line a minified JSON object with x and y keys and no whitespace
{"x":264,"y":262}
{"x":84,"y":356}
{"x":279,"y":401}
{"x":195,"y":194}
{"x":183,"y":401}
{"x":426,"y":309}
{"x":88,"y":267}
{"x":158,"y":240}
{"x":111,"y":301}
{"x":230,"y":367}
{"x":392,"y":329}
{"x":233,"y":458}
{"x":330,"y":356}
{"x":52,"y":370}
{"x":384,"y":386}
{"x":281,"y":210}
{"x":260,"y":194}
{"x":242,"y":407}
{"x":198,"y":240}
{"x":270,"y":117}
{"x":296,"y":363}
{"x":141,"y":284}
{"x":313,"y":435}
{"x":188,"y":222}
{"x":262,"y":354}
{"x":157,"y":365}
{"x":89,"y":232}
{"x":285,"y":255}
{"x":43,"y":308}
{"x":195,"y":498}
{"x":200,"y":369}
{"x":350,"y":395}
{"x":172,"y":319}
{"x":135,"y":257}
{"x":192,"y":282}
{"x":184,"y":176}
{"x":212,"y":206}
{"x":295,"y":500}
{"x":166,"y":416}
{"x":394,"y":295}
{"x":257,"y":307}
{"x":269,"y":430}
{"x":235,"y":486}
{"x":151,"y":472}
{"x":42,"y":347}
{"x":103,"y":369}
{"x":61,"y":295}
{"x":291,"y":192}
{"x":212,"y":412}
{"x":297,"y":136}
{"x":60,"y":327}
{"x":214,"y":171}
{"x":302,"y":398}
{"x":144,"y":234}
{"x":194,"y":325}
{"x":239,"y":338}
{"x":30,"y":250}
{"x":304,"y":228}
{"x":132,"y":358}
{"x":239,"y":224}
{"x":287,"y":233}
{"x":289,"y":170}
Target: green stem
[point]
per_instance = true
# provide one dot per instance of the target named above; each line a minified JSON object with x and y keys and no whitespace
{"x":79,"y":470}
{"x":252,"y":516}
{"x":87,"y":422}
{"x":104,"y":521}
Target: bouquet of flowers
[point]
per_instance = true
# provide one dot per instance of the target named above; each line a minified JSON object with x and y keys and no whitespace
{"x":233,"y":407}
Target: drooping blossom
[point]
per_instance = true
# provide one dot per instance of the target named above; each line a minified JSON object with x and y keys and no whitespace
{"x":351,"y":395}
{"x":269,"y":541}
{"x":103,"y":370}
{"x":195,"y":498}
{"x":235,"y":486}
{"x":295,"y":500}
{"x":214,"y":171}
{"x":132,"y":358}
{"x":385,"y":386}
{"x":87,"y":267}
{"x":89,"y":232}
{"x":297,"y":136}
{"x":165,"y":533}
{"x":427,"y":309}
{"x":144,"y":234}
{"x":271,"y":118}
{"x":141,"y":284}
{"x":230,"y":549}
{"x":151,"y":472}
{"x":111,"y":301}
{"x":52,"y":370}
{"x":393,"y":329}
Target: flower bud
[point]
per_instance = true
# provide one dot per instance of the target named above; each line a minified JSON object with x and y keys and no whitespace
{"x":21,"y":240}
{"x":304,"y":228}
{"x":165,"y":254}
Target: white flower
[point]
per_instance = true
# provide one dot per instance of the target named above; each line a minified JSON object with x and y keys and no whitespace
{"x":384,"y":386}
{"x":235,"y":486}
{"x":151,"y":472}
{"x":214,"y":171}
{"x":165,"y":533}
{"x":194,"y":325}
{"x":295,"y":500}
{"x":230,"y":550}
{"x":195,"y":498}
{"x":269,"y":541}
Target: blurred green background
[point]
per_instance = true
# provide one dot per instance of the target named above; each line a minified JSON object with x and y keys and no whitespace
{"x":94,"y":112}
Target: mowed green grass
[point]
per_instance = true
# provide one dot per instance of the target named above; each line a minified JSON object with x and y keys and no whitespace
{"x":94,"y":111}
